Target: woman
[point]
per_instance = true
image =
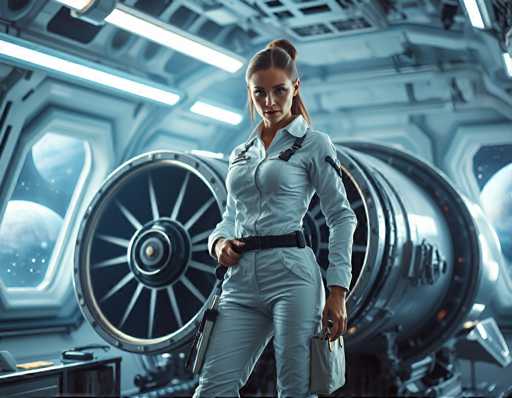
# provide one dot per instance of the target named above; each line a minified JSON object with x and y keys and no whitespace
{"x":273,"y":285}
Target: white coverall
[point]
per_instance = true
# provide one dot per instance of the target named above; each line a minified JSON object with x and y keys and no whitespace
{"x":276,"y":292}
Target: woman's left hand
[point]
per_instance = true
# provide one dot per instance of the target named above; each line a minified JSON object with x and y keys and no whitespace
{"x":335,"y":309}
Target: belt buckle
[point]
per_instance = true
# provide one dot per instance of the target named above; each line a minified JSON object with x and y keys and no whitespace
{"x":301,"y":240}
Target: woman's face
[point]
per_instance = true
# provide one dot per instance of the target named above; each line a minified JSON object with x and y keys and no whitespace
{"x":272,"y":93}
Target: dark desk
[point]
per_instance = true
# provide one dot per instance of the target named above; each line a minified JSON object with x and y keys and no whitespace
{"x":100,"y":376}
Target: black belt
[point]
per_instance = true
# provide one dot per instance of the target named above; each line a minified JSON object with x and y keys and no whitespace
{"x":294,"y":239}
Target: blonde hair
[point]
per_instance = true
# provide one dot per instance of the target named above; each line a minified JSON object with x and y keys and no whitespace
{"x":279,"y":54}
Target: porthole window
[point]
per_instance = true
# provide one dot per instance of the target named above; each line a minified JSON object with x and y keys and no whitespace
{"x":492,"y":166}
{"x":34,"y":215}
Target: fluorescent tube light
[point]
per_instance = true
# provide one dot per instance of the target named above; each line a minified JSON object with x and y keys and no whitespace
{"x":153,"y":29}
{"x":208,"y":154}
{"x":474,"y":14}
{"x":508,"y":63}
{"x":20,"y":51}
{"x":215,"y":112}
{"x":77,"y":4}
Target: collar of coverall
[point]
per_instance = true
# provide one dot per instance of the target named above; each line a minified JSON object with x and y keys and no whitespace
{"x":297,"y":127}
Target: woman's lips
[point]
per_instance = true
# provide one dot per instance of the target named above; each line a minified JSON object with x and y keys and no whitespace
{"x":270,"y":112}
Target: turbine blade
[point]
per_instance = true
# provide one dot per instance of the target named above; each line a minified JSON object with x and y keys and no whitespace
{"x":115,"y":240}
{"x":174,"y":305}
{"x":129,"y":309}
{"x":179,"y":200}
{"x":202,"y":266}
{"x":129,"y":216}
{"x":201,"y":236}
{"x":190,"y":286}
{"x":152,"y":200}
{"x":110,"y":262}
{"x":127,"y":278}
{"x":199,"y":213}
{"x":152,"y":308}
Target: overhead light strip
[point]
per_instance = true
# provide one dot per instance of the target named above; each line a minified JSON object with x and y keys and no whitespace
{"x":26,"y":54}
{"x":474,"y":14}
{"x":144,"y":25}
{"x":208,"y":154}
{"x":153,"y":29}
{"x":78,"y":5}
{"x":508,"y":63}
{"x":215,"y":112}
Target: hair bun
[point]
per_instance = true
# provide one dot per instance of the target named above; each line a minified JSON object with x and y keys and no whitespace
{"x":285,"y":45}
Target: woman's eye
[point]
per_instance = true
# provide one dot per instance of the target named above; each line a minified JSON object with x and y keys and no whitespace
{"x":259,"y":93}
{"x":281,"y":90}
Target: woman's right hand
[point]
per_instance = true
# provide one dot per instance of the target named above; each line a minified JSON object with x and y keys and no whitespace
{"x":225,"y":251}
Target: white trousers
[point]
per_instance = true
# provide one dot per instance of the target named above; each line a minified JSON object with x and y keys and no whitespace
{"x":275,"y":292}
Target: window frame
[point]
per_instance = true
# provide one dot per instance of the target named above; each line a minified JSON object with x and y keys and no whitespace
{"x":466,"y":142}
{"x":50,"y":301}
